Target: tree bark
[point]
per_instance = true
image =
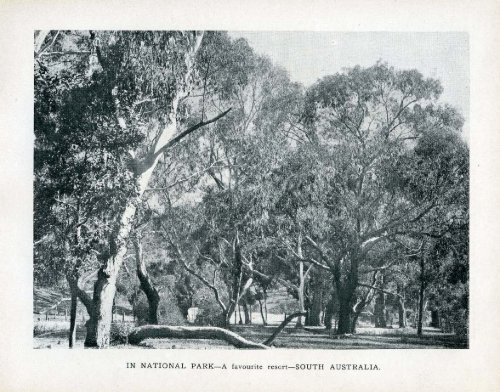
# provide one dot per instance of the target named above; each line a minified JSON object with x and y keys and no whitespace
{"x":344,"y":323}
{"x":346,"y":288}
{"x":299,"y":323}
{"x":380,"y":320}
{"x":99,"y":324}
{"x":314,"y":313}
{"x":329,"y":310}
{"x":345,"y":294}
{"x":146,"y":283}
{"x":264,"y":320}
{"x":421,"y":294}
{"x":72,"y":320}
{"x":237,"y":276}
{"x":246,"y":312}
{"x":435,"y":319}
{"x":265,"y":303}
{"x":401,"y":313}
{"x":76,"y":293}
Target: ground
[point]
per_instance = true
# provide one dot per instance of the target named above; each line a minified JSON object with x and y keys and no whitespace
{"x":53,"y":334}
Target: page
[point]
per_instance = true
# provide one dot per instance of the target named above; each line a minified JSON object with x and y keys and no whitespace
{"x":292,"y":192}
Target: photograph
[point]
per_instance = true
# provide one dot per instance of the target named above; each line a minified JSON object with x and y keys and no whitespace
{"x":227,"y":189}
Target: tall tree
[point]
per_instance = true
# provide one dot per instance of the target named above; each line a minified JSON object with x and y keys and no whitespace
{"x":130,"y":104}
{"x":369,"y":121}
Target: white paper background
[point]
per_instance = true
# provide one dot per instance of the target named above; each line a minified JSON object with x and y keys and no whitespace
{"x":25,"y":369}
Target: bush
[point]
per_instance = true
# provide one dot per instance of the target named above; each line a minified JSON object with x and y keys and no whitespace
{"x":209,"y":311}
{"x":168,"y":310}
{"x":120,"y":331}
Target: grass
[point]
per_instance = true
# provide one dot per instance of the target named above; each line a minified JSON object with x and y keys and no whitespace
{"x":54,"y":334}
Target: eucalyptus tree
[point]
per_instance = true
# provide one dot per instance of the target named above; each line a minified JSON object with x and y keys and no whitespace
{"x":371,"y":123}
{"x":235,"y":157}
{"x":75,"y":173}
{"x":130,"y":106}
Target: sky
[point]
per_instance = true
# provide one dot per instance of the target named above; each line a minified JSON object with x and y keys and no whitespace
{"x":309,"y":56}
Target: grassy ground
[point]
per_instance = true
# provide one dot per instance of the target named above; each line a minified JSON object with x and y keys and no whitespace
{"x":54,"y":336}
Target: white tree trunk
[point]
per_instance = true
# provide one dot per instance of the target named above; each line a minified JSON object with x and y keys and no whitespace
{"x":98,"y":332}
{"x":300,"y":322}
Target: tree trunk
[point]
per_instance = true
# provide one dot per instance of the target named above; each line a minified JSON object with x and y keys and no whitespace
{"x":354,"y":321}
{"x":301,"y":282}
{"x":346,"y":289}
{"x":345,"y":294}
{"x":329,"y":310}
{"x":401,"y":313}
{"x":421,"y":293}
{"x":76,"y":293}
{"x":435,"y":319}
{"x":344,"y":324}
{"x":265,"y":303}
{"x":146,"y":283}
{"x":99,"y":324}
{"x":264,"y":320}
{"x":98,"y":330}
{"x":380,"y":320}
{"x":237,"y":276}
{"x":314,"y":314}
{"x":72,"y":319}
{"x":246,"y":312}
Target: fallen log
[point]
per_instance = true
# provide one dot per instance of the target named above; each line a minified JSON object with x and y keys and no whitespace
{"x":164,"y":331}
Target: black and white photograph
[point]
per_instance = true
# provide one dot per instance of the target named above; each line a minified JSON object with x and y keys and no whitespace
{"x":253,"y":196}
{"x":251,"y":190}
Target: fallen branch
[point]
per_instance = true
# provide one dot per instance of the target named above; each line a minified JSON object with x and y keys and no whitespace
{"x":271,"y":338}
{"x":165,"y":331}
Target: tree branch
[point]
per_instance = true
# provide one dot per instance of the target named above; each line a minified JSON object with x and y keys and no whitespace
{"x":185,"y":133}
{"x":379,"y":289}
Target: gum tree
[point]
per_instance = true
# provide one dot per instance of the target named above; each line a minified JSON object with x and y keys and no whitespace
{"x":137,"y":81}
{"x":369,"y":121}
